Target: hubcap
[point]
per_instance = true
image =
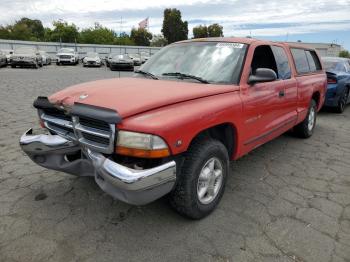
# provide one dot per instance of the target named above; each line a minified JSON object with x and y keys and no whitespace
{"x":209,"y":181}
{"x":311,"y":121}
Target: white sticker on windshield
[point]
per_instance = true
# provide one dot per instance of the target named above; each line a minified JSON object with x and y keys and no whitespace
{"x":232,"y":45}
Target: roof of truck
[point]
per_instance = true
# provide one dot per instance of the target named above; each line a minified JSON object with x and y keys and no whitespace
{"x":244,"y":40}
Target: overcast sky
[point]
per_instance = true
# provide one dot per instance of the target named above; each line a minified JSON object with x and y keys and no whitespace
{"x":309,"y":21}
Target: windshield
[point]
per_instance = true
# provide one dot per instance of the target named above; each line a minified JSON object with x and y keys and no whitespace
{"x":92,"y":54}
{"x":134,"y":55}
{"x":333,"y":65}
{"x":212,"y":61}
{"x":25,"y":50}
{"x":121,"y":57}
{"x":66,"y":50}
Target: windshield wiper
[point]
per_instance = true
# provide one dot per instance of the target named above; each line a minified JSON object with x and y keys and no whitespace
{"x":146,"y":73}
{"x":182,"y":76}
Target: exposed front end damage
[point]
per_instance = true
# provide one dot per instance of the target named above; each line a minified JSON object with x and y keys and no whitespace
{"x":84,"y":148}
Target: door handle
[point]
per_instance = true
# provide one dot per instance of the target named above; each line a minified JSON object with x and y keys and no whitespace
{"x":281,"y":93}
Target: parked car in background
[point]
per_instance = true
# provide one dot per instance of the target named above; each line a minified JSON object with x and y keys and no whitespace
{"x":8,"y":53}
{"x":67,"y":56}
{"x":27,"y":56}
{"x":46,"y":58}
{"x":121,"y":62}
{"x":136,"y":58}
{"x":92,"y":59}
{"x":109,"y":58}
{"x":3,"y":59}
{"x":338,"y":77}
{"x":174,"y":126}
{"x":144,"y":57}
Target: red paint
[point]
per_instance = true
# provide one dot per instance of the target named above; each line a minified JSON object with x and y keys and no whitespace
{"x":178,"y":110}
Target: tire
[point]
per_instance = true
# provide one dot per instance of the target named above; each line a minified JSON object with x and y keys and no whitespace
{"x":57,"y":63}
{"x":13,"y":66}
{"x":185,"y":198}
{"x":306,"y":128}
{"x":342,"y":101}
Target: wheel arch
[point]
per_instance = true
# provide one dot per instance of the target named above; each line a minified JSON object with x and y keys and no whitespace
{"x":226,"y":133}
{"x":317,"y":97}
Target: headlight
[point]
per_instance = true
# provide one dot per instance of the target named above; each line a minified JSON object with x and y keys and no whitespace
{"x":141,"y":145}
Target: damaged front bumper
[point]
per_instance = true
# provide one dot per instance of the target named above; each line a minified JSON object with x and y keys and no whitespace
{"x":137,"y":187}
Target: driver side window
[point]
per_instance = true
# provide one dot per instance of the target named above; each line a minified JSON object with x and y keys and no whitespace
{"x":263,"y":58}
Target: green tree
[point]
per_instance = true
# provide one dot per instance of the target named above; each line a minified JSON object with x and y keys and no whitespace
{"x":200,"y":31}
{"x":5,"y":32}
{"x":174,"y":29}
{"x":97,"y":35}
{"x":344,"y":53}
{"x":215,"y":30}
{"x":141,"y":36}
{"x":158,"y":41}
{"x":23,"y":29}
{"x":123,"y":39}
{"x":64,"y":32}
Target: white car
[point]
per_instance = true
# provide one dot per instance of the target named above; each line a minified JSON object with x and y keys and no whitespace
{"x":8,"y":53}
{"x":46,"y":58}
{"x":67,"y":56}
{"x":92,"y":59}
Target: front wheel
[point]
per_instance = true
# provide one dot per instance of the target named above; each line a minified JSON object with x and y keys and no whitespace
{"x":306,"y":128}
{"x":202,"y":180}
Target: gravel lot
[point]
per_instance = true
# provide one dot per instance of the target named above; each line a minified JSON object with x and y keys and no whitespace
{"x":289,"y":200}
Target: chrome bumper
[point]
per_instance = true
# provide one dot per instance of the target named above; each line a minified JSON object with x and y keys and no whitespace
{"x":137,"y":187}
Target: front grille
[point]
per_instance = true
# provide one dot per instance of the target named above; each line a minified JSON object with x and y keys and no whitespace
{"x":59,"y":123}
{"x":65,"y":56}
{"x":96,"y":139}
{"x":92,"y":133}
{"x":94,"y":123}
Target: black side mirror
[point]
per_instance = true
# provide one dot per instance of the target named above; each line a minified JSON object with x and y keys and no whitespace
{"x":262,"y":75}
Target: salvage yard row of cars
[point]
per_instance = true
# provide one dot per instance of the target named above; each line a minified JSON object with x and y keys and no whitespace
{"x":172,"y":128}
{"x":31,"y":57}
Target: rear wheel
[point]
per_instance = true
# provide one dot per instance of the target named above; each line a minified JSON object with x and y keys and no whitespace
{"x":306,"y":128}
{"x":343,"y":100}
{"x":201,"y":183}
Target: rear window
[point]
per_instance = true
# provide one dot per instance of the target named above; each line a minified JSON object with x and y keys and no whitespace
{"x":314,"y":62}
{"x":306,"y":61}
{"x":300,"y":59}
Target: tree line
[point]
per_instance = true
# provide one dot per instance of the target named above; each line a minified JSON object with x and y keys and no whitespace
{"x":174,"y":29}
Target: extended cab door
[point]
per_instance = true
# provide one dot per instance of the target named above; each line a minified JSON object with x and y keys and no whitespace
{"x":310,"y":78}
{"x":269,"y":108}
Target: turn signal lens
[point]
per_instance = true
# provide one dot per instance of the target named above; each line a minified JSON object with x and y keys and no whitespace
{"x":142,"y":153}
{"x":141,"y":145}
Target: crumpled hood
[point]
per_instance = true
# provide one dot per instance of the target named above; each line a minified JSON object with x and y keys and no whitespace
{"x":130,"y":96}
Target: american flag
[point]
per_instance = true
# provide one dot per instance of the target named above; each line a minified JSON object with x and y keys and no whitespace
{"x":144,"y":24}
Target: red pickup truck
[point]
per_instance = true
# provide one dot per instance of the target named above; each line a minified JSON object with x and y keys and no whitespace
{"x":172,"y":128}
